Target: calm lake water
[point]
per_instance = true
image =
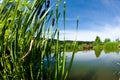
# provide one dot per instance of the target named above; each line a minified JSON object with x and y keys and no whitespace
{"x":88,"y":65}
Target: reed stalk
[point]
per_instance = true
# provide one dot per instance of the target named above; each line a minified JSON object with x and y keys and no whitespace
{"x":27,"y":32}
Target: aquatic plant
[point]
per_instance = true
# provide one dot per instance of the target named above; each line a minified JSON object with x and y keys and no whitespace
{"x":27,"y":31}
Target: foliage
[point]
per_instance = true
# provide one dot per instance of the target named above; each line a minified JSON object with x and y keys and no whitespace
{"x":107,"y":40}
{"x":27,"y":30}
{"x":111,"y":47}
{"x":97,"y":41}
{"x":117,"y":40}
{"x":98,"y":49}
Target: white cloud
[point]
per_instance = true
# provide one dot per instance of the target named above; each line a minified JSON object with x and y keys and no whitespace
{"x":108,"y":31}
{"x":1,"y":1}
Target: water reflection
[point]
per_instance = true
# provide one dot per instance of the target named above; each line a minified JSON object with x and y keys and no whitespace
{"x":112,"y":50}
{"x":98,"y":52}
{"x":94,"y":65}
{"x":106,"y":51}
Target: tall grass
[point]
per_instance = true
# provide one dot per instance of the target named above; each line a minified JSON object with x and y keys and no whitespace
{"x":27,"y":30}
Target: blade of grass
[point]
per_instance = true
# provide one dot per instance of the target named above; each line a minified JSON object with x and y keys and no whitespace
{"x":73,"y":54}
{"x":64,"y":17}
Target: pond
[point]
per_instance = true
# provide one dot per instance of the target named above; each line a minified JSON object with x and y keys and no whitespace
{"x":89,"y":65}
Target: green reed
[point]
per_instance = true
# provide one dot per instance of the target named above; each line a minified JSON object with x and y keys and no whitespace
{"x":26,"y":38}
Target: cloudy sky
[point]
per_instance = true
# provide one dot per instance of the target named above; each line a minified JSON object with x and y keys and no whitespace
{"x":96,"y":18}
{"x":1,"y":1}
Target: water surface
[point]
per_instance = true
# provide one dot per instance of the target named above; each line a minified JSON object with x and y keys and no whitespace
{"x":89,"y":65}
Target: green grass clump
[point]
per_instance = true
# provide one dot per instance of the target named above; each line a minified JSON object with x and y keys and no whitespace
{"x":27,"y":31}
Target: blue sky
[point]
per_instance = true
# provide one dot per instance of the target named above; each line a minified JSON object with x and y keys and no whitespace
{"x":93,"y":12}
{"x":96,"y":18}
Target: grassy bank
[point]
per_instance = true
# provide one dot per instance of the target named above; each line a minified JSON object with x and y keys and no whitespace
{"x":85,"y":45}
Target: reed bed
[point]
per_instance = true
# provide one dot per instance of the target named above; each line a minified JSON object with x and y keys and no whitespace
{"x":27,"y":31}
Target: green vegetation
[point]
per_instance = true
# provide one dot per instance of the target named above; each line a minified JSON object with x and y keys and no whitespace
{"x":27,"y":32}
{"x":97,"y":45}
{"x":107,"y":45}
{"x":97,"y":41}
{"x":107,"y":40}
{"x":111,"y":47}
{"x":69,"y":45}
{"x":27,"y":39}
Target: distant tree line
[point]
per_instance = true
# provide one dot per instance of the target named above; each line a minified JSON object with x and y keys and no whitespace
{"x":91,"y":45}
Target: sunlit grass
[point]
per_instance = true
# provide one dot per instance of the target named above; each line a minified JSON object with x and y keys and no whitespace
{"x":26,"y":39}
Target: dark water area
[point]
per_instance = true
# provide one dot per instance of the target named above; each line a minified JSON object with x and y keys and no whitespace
{"x":89,"y":65}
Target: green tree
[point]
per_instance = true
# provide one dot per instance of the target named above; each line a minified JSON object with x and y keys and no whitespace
{"x":97,"y":40}
{"x":107,"y":40}
{"x":117,"y":40}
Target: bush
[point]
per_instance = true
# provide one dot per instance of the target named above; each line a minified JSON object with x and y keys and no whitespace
{"x":111,"y":47}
